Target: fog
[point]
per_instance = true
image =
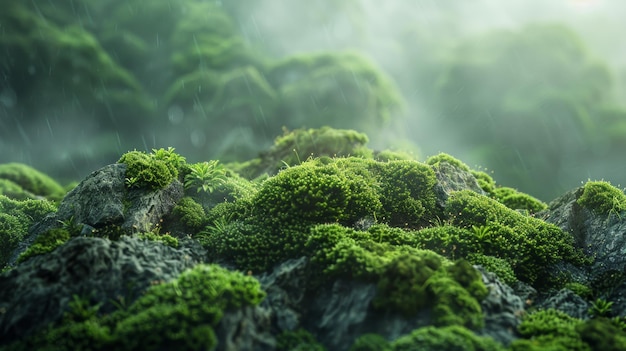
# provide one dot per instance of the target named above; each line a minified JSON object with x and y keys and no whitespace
{"x":528,"y":90}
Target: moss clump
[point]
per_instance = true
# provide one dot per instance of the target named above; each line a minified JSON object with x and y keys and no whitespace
{"x":190,"y":214}
{"x":299,"y":339}
{"x":180,"y":314}
{"x":152,"y":171}
{"x":166,"y":238}
{"x":498,"y":266}
{"x":445,"y":338}
{"x":549,"y":329}
{"x":530,"y":245}
{"x":443,"y":157}
{"x":408,"y":280}
{"x":370,"y":342}
{"x":406,"y":193}
{"x":29,"y":180}
{"x":15,"y":219}
{"x":516,"y":200}
{"x":602,"y":198}
{"x":44,"y":243}
{"x":297,"y":146}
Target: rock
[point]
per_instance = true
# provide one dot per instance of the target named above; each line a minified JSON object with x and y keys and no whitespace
{"x":102,"y":199}
{"x":598,"y":235}
{"x":503,"y":309}
{"x":245,"y":329}
{"x":453,"y":178}
{"x":567,"y":301}
{"x":37,"y":291}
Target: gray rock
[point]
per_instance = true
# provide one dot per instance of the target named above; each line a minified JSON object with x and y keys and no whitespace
{"x":37,"y":291}
{"x":245,"y":329}
{"x":451,"y":178}
{"x":102,"y":199}
{"x":503,"y":309}
{"x":599,"y":235}
{"x":567,"y":301}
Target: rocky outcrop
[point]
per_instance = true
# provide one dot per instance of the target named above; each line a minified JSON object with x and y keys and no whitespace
{"x":102,"y":199}
{"x":37,"y":292}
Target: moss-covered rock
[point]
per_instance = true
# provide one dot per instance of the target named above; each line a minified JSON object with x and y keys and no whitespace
{"x":602,"y":198}
{"x":445,"y":338}
{"x":30,"y":180}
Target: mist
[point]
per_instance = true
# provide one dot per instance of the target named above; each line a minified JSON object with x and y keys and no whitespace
{"x":530,"y":91}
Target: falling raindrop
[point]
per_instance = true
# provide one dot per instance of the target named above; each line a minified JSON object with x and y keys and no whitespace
{"x":8,"y":98}
{"x":198,"y":138}
{"x":175,"y":114}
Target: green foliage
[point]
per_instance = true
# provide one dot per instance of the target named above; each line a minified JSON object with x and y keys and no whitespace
{"x":406,"y":193}
{"x":443,"y":157}
{"x":499,"y":266}
{"x":557,"y":85}
{"x":180,"y":314}
{"x":297,"y":340}
{"x":528,"y":244}
{"x":152,"y":171}
{"x":312,"y":193}
{"x":600,"y":308}
{"x":30,"y":180}
{"x":44,"y":243}
{"x":205,"y":176}
{"x":516,"y":200}
{"x":190,"y":213}
{"x":602,"y":198}
{"x":333,"y":87}
{"x":582,"y":290}
{"x":549,"y":329}
{"x":453,"y":338}
{"x":166,"y":238}
{"x":15,"y":219}
{"x":601,"y":334}
{"x":296,"y":146}
{"x":370,"y":342}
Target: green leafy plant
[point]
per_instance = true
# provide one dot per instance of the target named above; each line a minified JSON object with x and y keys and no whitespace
{"x":482,"y":232}
{"x":205,"y":176}
{"x":600,"y":308}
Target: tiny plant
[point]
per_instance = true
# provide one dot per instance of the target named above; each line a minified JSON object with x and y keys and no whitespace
{"x":205,"y":176}
{"x":482,"y":232}
{"x":600,"y":308}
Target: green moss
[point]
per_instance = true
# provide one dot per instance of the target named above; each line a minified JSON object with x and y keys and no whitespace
{"x":15,"y":219}
{"x":153,"y":171}
{"x":311,"y":193}
{"x":370,"y":342}
{"x":498,"y":266}
{"x":297,"y":340}
{"x":44,"y":243}
{"x":516,"y":200}
{"x":549,"y":329}
{"x":406,"y":193}
{"x":31,"y":181}
{"x":189,"y":213}
{"x":166,"y":239}
{"x":602,"y":198}
{"x":394,"y":155}
{"x":299,"y":145}
{"x":602,"y":334}
{"x":445,"y":338}
{"x":180,"y":314}
{"x":582,"y":290}
{"x":530,"y":245}
{"x":443,"y":157}
{"x":485,"y":181}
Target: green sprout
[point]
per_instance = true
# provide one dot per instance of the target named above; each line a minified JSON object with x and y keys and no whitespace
{"x":600,"y":308}
{"x":205,"y":176}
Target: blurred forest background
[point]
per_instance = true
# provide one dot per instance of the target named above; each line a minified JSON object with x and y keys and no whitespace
{"x":531,"y":90}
